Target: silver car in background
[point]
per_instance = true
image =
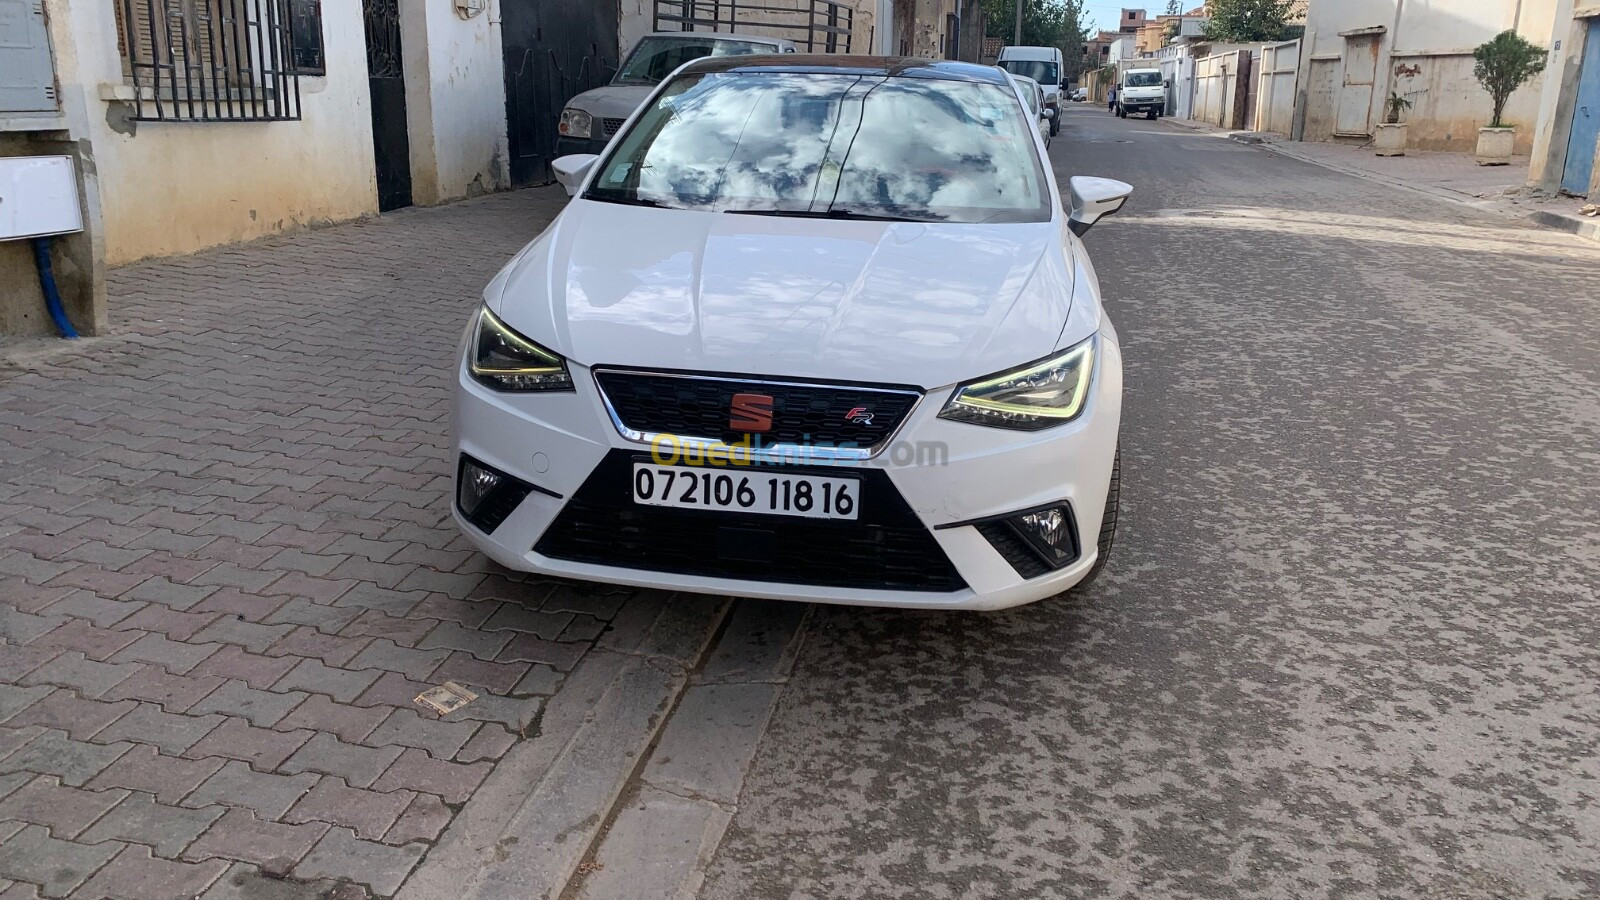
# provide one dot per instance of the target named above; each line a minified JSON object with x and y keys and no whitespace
{"x":591,"y":118}
{"x":1033,"y":97}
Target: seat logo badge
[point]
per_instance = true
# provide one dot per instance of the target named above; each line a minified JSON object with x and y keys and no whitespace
{"x":859,"y":416}
{"x":751,"y":412}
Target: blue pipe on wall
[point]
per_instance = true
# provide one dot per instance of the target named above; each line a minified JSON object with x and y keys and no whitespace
{"x":52,"y":297}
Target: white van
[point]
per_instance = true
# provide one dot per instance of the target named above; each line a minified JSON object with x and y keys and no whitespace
{"x":1141,"y":91}
{"x":1044,"y":65}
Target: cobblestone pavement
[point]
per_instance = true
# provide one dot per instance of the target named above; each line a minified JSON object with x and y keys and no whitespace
{"x":227,"y":566}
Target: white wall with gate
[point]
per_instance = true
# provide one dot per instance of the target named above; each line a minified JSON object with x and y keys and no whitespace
{"x":1280,"y":65}
{"x":1215,"y":80}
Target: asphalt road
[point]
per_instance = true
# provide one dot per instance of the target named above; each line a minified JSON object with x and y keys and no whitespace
{"x":1349,"y":643}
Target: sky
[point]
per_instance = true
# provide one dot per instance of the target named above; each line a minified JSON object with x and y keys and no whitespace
{"x":1104,"y":15}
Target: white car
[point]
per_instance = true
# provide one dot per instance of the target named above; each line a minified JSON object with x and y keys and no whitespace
{"x":1033,"y":97}
{"x":814,"y":329}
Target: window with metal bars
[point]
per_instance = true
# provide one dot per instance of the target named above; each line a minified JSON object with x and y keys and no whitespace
{"x":218,"y":60}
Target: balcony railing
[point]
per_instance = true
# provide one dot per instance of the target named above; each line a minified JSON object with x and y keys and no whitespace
{"x":816,"y":26}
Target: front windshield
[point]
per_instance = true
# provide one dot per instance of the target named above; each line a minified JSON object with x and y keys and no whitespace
{"x":1039,"y":70}
{"x":657,"y":57}
{"x":831,"y":145}
{"x":1144,"y":79}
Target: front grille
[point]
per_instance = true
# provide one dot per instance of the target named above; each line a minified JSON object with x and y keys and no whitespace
{"x":608,"y":127}
{"x":887,"y":547}
{"x":701,"y":407}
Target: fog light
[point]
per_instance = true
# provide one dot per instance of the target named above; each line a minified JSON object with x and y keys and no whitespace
{"x":477,"y":483}
{"x":1051,"y":533}
{"x":486,"y":496}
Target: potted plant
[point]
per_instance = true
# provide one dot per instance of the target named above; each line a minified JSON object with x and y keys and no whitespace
{"x":1504,"y":64}
{"x":1391,"y":140}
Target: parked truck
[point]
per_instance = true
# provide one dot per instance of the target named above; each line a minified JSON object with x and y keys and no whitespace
{"x":1141,"y":89}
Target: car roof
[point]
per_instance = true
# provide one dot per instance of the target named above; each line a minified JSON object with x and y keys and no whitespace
{"x":847,"y":64}
{"x":722,"y":36}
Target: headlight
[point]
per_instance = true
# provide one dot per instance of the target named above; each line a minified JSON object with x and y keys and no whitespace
{"x":574,"y":123}
{"x":507,"y":361}
{"x":1036,"y":396}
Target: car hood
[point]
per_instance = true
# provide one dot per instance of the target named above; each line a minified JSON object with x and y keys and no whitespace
{"x":614,"y":101}
{"x":885,"y":302}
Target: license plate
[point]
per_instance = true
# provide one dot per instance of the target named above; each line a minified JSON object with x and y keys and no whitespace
{"x":769,"y":493}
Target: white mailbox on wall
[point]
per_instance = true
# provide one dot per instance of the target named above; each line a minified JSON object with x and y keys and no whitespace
{"x":38,"y":197}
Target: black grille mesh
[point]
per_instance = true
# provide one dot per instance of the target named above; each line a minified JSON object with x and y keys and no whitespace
{"x":699,"y":407}
{"x":887,"y":547}
{"x":1016,"y":551}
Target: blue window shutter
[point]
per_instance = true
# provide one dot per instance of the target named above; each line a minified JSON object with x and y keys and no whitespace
{"x":27,"y":75}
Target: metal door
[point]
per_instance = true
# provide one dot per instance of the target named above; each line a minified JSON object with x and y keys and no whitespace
{"x":386,"y":80}
{"x":554,"y":50}
{"x":1582,"y":144}
{"x":1355,"y":95}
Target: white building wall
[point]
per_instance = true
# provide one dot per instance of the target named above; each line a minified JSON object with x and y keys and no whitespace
{"x":455,"y":102}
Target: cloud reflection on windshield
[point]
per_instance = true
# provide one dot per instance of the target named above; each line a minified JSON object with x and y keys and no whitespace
{"x":915,"y":148}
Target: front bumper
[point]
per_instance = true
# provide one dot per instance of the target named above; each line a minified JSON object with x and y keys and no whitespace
{"x":948,"y":473}
{"x":567,"y":146}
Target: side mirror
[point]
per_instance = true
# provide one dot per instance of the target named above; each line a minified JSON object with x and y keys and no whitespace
{"x":571,"y":170}
{"x":1093,"y":199}
{"x":1047,"y":113}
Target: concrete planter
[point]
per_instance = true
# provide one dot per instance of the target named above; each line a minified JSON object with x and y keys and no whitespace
{"x":1495,"y":145}
{"x":1391,"y":140}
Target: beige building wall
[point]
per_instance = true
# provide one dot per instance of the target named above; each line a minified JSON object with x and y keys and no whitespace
{"x":176,"y":187}
{"x":1423,"y":51}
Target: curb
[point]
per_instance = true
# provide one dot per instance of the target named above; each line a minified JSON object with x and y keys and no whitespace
{"x":527,"y":829}
{"x":1584,"y":228}
{"x":662,"y":837}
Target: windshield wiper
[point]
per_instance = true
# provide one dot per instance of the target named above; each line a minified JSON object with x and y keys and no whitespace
{"x":627,"y":200}
{"x":834,"y":213}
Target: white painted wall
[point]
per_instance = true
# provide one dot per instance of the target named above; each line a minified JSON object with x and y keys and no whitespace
{"x":634,"y":23}
{"x":455,"y":101}
{"x":1433,"y":40}
{"x":170,"y":187}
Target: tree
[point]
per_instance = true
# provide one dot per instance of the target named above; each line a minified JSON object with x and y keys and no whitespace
{"x":1505,"y":63}
{"x":1045,"y":23}
{"x":1174,"y":8}
{"x":1243,"y":21}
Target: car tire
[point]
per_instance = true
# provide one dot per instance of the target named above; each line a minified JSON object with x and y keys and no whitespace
{"x":1108,"y":523}
{"x":1151,"y":115}
{"x":1122,"y":113}
{"x":1055,"y":124}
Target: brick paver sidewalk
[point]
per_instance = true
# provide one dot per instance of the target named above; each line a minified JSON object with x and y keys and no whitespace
{"x":227,"y":567}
